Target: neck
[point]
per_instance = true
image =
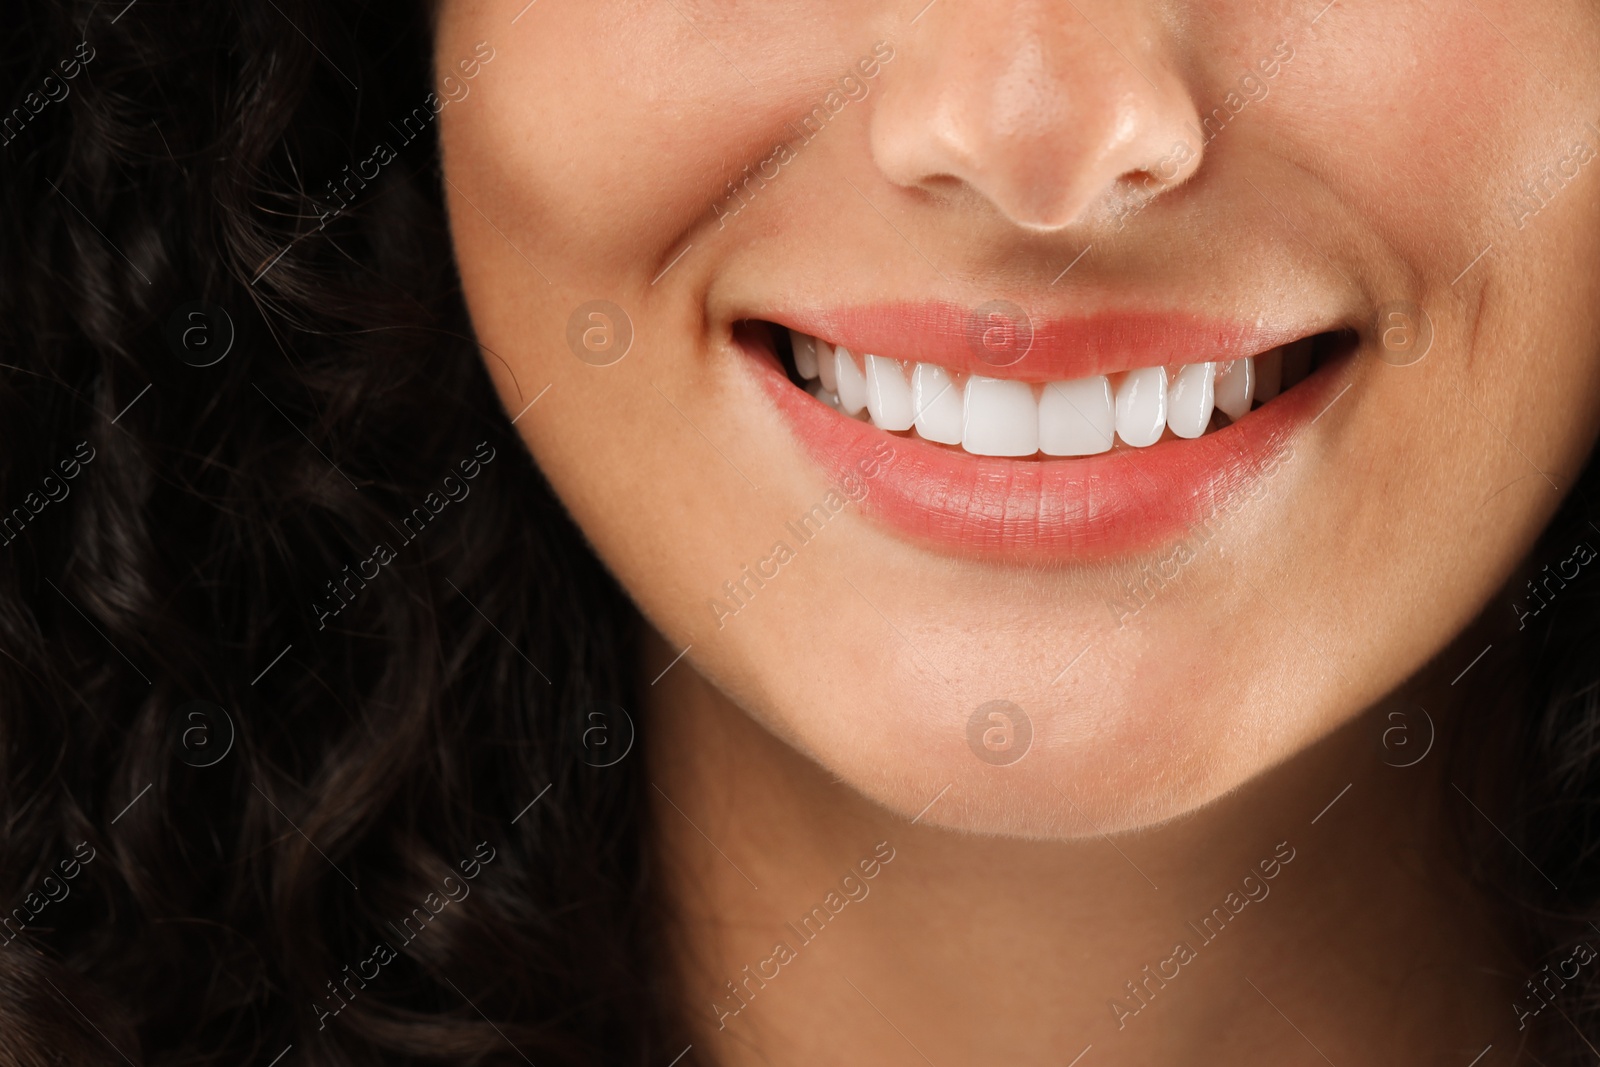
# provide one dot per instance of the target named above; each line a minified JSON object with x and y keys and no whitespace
{"x":1313,"y":915}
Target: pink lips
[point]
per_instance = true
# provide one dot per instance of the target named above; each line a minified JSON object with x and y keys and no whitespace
{"x":1001,"y":340}
{"x":1117,"y":503}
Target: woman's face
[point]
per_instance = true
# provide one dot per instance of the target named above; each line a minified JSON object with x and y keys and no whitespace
{"x":1104,"y":563}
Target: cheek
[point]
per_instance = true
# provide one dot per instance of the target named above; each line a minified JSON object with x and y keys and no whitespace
{"x":1429,"y":122}
{"x":572,"y":182}
{"x":1428,"y":117}
{"x":601,"y":164}
{"x":557,"y":156}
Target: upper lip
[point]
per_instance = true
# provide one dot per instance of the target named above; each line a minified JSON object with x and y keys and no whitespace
{"x":1000,"y":340}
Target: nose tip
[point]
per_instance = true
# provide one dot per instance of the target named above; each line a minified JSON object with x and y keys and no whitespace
{"x":1044,"y":115}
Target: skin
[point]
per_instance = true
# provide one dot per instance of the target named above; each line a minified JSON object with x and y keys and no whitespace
{"x":996,"y":145}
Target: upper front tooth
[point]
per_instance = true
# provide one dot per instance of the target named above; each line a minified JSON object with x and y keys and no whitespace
{"x":938,"y":402}
{"x":1191,"y":400}
{"x":805,"y":354}
{"x":1142,"y":406}
{"x":1077,"y":418}
{"x":1236,"y":387}
{"x":999,"y":418}
{"x":825,"y":367}
{"x":888,"y":394}
{"x":852,"y":386}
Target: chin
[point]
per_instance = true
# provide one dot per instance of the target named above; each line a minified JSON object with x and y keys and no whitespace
{"x":1079,"y":759}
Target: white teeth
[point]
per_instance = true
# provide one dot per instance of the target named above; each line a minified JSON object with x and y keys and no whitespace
{"x":937,"y":401}
{"x":1191,"y":399}
{"x":1077,"y":418}
{"x":1142,"y":406}
{"x":1235,"y":387}
{"x":1269,"y":375}
{"x":1082,"y":417}
{"x":888,"y":394}
{"x":805,"y":354}
{"x":852,"y":384}
{"x":825,"y":367}
{"x":1000,"y":418}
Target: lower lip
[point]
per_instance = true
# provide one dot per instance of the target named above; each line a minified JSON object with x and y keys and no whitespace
{"x":1118,"y":503}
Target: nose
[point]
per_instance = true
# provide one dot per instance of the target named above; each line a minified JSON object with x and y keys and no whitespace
{"x":1036,"y":108}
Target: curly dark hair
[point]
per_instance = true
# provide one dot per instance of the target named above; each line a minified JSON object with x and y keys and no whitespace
{"x":299,"y":648}
{"x":330,"y":537}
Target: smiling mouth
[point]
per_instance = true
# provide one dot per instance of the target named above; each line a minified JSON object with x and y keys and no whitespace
{"x":1084,"y":416}
{"x":1086,"y":442}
